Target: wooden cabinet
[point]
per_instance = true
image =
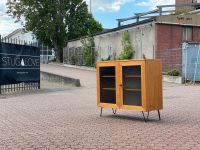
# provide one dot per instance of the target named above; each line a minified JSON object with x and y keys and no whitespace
{"x":130,"y":85}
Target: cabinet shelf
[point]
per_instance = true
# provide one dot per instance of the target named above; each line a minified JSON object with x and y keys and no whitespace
{"x":110,"y":89}
{"x":108,"y":76}
{"x":133,"y":76}
{"x":136,"y":90}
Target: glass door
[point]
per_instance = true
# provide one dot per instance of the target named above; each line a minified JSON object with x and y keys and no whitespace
{"x":108,"y":85}
{"x":131,"y":85}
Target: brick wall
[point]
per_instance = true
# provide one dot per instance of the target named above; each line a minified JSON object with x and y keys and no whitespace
{"x":168,"y":44}
{"x":196,"y":34}
{"x":184,"y":2}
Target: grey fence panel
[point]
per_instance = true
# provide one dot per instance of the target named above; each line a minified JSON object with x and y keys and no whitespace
{"x":191,"y":61}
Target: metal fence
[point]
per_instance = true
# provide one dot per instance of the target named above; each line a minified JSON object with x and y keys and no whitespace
{"x":74,"y":55}
{"x":171,"y":59}
{"x":20,"y":86}
{"x":185,"y":59}
{"x":191,"y":62}
{"x":46,"y":54}
{"x":24,"y":86}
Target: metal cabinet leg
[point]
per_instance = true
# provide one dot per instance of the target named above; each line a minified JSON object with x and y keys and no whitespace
{"x":114,"y":111}
{"x":144,"y":117}
{"x":159,"y":114}
{"x":101,"y":112}
{"x":148,"y":116}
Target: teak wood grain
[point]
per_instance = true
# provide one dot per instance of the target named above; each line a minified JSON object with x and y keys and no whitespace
{"x":151,"y":84}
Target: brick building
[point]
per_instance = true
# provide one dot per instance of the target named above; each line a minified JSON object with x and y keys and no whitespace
{"x":187,"y":2}
{"x":169,"y":40}
{"x":159,"y":37}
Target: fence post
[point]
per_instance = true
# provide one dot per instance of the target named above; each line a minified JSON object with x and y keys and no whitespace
{"x":0,"y":42}
{"x":39,"y":85}
{"x":196,"y":65}
{"x":63,"y":55}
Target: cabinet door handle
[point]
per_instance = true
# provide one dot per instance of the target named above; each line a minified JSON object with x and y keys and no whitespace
{"x":121,"y":85}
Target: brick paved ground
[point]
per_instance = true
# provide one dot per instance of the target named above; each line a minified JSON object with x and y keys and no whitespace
{"x":69,"y":119}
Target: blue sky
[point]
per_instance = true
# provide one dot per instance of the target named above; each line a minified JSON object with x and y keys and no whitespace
{"x":107,"y":11}
{"x":104,"y":11}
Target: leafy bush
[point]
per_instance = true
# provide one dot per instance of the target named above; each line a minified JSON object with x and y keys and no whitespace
{"x":52,"y":60}
{"x":89,"y":53}
{"x":72,"y":60}
{"x":106,"y":59}
{"x":173,"y":72}
{"x":181,"y":11}
{"x":128,"y":51}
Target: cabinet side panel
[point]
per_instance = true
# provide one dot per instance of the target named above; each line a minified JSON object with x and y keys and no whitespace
{"x":98,"y":84}
{"x":154,"y":96}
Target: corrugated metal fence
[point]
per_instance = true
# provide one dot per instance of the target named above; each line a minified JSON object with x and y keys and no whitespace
{"x":191,"y":61}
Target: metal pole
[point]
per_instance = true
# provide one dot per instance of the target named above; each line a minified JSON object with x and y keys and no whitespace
{"x":91,"y":56}
{"x":90,"y":6}
{"x":42,"y":54}
{"x":141,"y":34}
{"x":63,"y":55}
{"x":68,"y":55}
{"x":185,"y":63}
{"x":196,"y":65}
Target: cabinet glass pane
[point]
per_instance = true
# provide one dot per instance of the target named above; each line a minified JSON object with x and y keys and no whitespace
{"x":132,"y":98}
{"x":132,"y":85}
{"x":132,"y":70}
{"x":107,"y":85}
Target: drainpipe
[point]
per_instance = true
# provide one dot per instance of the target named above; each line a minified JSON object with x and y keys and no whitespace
{"x":141,"y":34}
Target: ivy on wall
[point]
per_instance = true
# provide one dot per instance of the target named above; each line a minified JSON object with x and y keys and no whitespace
{"x":89,"y":52}
{"x":127,"y":48}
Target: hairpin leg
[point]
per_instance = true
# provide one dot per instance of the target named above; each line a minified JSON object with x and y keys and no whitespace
{"x":114,"y":110}
{"x":101,"y":111}
{"x":144,"y":116}
{"x":148,"y":116}
{"x":159,"y":114}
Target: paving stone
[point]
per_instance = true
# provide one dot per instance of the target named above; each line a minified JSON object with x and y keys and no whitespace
{"x":69,"y":119}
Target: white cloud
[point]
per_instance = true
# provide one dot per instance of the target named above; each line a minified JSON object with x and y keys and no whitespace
{"x":7,"y":24}
{"x":153,"y":3}
{"x":107,"y":5}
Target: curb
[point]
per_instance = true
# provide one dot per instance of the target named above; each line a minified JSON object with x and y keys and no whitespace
{"x":75,"y":67}
{"x":58,"y":78}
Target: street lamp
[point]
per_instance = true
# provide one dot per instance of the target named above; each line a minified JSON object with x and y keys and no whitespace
{"x":90,"y":6}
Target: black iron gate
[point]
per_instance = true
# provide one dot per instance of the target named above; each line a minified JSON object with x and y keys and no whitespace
{"x":19,"y":67}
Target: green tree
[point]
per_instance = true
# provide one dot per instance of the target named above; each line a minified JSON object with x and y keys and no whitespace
{"x":54,"y":22}
{"x":88,"y":49}
{"x":128,"y":51}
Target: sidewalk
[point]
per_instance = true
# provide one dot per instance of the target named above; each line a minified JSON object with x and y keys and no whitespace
{"x":86,"y":75}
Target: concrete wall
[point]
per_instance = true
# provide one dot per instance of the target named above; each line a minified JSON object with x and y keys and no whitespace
{"x":142,"y":38}
{"x":59,"y":79}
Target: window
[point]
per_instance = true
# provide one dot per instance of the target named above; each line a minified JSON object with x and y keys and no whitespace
{"x":187,"y":34}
